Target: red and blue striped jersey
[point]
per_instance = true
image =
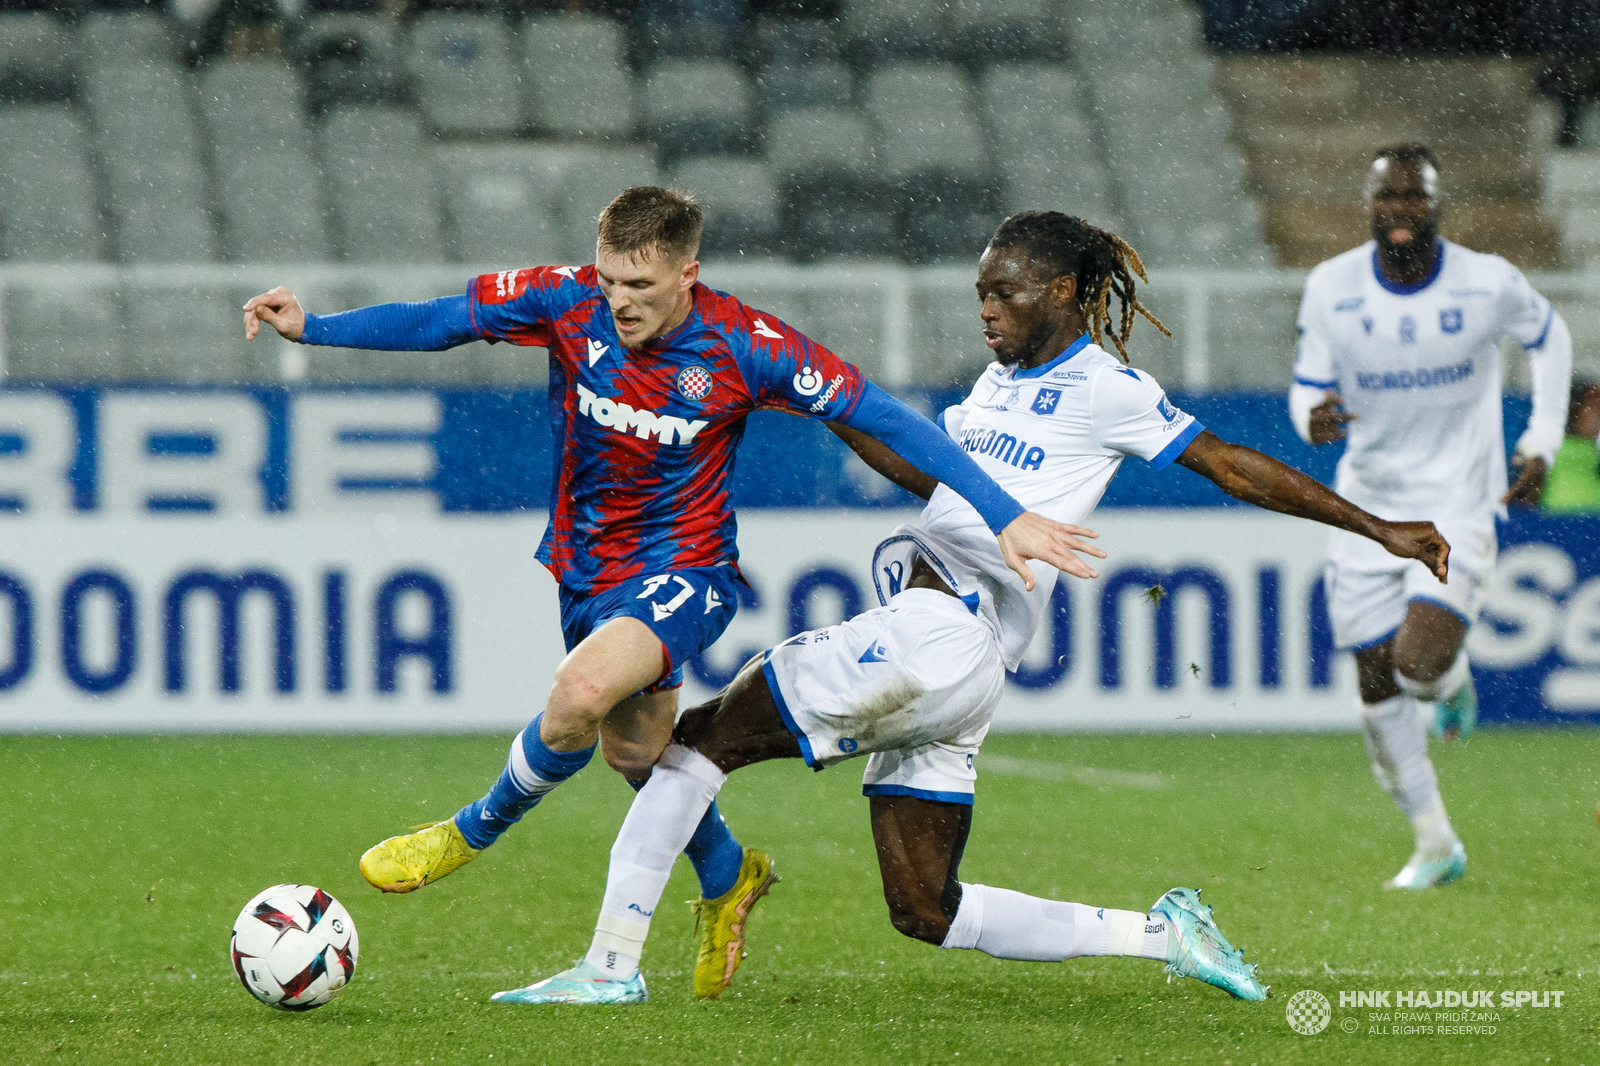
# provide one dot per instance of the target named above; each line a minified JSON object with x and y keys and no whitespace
{"x":645,"y":438}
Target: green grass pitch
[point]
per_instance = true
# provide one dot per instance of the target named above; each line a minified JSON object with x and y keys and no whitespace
{"x":129,"y":858}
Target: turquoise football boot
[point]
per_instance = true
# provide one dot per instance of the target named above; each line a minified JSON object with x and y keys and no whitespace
{"x":1421,"y":873}
{"x":1197,"y":948}
{"x":1456,"y":717}
{"x":581,"y":984}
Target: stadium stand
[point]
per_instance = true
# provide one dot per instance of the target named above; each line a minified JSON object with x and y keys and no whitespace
{"x":267,"y":184}
{"x":489,"y":134}
{"x":1308,"y":125}
{"x":575,"y":77}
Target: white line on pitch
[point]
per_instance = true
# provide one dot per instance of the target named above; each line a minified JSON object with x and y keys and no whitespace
{"x":1083,"y":775}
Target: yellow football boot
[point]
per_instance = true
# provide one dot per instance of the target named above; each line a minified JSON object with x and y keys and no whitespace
{"x":406,"y":863}
{"x":721,"y":924}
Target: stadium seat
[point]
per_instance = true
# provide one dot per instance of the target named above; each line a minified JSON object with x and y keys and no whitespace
{"x":60,"y":331}
{"x":815,"y":140}
{"x":945,"y":215}
{"x":382,"y":189}
{"x":351,"y":60}
{"x":576,"y":81}
{"x":682,"y":38}
{"x":797,"y":41}
{"x":122,"y":39}
{"x":466,"y":80}
{"x":740,"y":201}
{"x":47,"y":200}
{"x":1034,"y":106}
{"x":587,"y":179}
{"x":994,"y":30}
{"x":692,"y":107}
{"x":952,"y":144}
{"x":152,"y":162}
{"x":1047,"y":180}
{"x":267,"y":185}
{"x":883,"y":30}
{"x":501,"y":206}
{"x":907,"y":91}
{"x":38,"y":60}
{"x":786,"y":86}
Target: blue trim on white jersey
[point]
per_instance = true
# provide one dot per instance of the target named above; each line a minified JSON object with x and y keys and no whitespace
{"x":1298,"y":380}
{"x":970,"y":600}
{"x":1440,"y":603}
{"x":783,"y":712}
{"x":918,"y":793}
{"x":1176,"y":446}
{"x":1374,"y":642}
{"x":1072,"y":349}
{"x":1544,"y":334}
{"x":1402,"y":288}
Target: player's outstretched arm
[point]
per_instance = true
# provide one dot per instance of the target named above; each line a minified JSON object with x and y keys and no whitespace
{"x":429,"y":326}
{"x":1246,"y":474}
{"x":929,"y":450}
{"x":880,"y":458}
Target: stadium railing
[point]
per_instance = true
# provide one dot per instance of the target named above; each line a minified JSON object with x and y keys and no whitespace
{"x":905,"y":325}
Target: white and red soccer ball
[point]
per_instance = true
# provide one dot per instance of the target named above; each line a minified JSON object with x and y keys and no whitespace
{"x":294,"y":947}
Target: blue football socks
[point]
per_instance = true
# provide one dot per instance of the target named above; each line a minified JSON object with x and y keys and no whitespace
{"x":713,"y":852}
{"x":532,"y":770}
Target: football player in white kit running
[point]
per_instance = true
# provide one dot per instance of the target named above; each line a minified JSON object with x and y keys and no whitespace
{"x":915,"y":681}
{"x":1400,"y":357}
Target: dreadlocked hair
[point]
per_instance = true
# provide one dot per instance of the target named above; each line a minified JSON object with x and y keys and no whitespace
{"x":1104,"y":265}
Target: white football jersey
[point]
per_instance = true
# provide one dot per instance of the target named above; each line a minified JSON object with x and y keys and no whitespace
{"x":1051,"y":436}
{"x":1420,"y":366}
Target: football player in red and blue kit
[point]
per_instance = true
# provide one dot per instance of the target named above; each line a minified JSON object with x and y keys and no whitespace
{"x":652,"y":375}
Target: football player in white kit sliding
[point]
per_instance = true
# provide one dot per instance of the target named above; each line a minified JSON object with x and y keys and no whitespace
{"x":1400,"y":357}
{"x":914,"y":682}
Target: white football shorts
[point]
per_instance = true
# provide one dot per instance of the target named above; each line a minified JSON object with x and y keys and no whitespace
{"x":1369,"y":590}
{"x":914,"y":684}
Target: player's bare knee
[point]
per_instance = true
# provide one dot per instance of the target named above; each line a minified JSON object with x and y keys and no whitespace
{"x":1424,"y":664}
{"x":632,"y":762}
{"x":577,"y":700}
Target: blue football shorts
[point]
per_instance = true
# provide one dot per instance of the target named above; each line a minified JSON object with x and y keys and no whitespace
{"x":686,"y":609}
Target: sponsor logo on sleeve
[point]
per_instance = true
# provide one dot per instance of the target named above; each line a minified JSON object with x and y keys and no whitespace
{"x":1168,"y":412}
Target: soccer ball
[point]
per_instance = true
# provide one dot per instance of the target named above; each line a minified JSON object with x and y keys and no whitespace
{"x":294,"y":947}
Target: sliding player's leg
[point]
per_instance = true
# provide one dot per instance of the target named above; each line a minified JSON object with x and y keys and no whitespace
{"x":920,"y":844}
{"x":632,"y":738}
{"x":738,"y":727}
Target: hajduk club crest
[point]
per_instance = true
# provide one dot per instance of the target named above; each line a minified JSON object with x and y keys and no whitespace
{"x":694,"y":382}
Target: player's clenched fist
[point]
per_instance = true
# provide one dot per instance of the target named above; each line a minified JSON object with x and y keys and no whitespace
{"x":278,"y":309}
{"x":1420,"y":541}
{"x":1328,"y":419}
{"x":1033,"y":536}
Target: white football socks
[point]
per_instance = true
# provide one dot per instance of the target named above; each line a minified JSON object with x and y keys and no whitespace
{"x":1011,"y":925}
{"x":658,"y":827}
{"x":1397,"y":740}
{"x":1443,"y":687}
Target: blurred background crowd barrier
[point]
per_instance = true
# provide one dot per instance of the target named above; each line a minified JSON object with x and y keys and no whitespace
{"x":905,"y":325}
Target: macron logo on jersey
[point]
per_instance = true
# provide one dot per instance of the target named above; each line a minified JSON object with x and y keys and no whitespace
{"x":614,"y":414}
{"x":763,"y":330}
{"x":596,"y":350}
